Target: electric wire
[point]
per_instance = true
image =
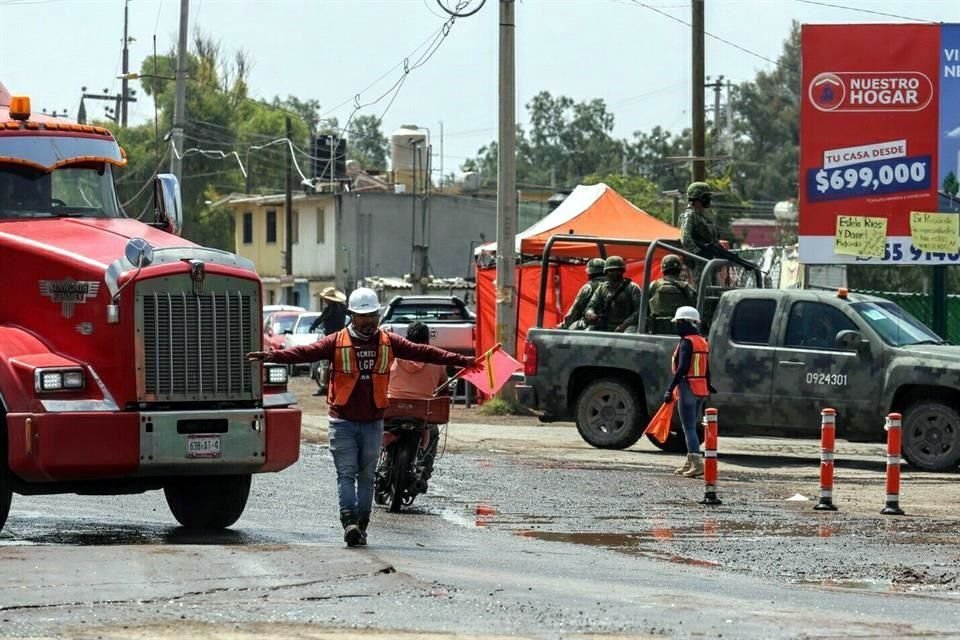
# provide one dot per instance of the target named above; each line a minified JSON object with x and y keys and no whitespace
{"x":867,"y":11}
{"x":715,"y":37}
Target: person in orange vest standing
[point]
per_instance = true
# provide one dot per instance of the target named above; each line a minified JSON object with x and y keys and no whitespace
{"x":361,"y":357}
{"x":691,"y":380}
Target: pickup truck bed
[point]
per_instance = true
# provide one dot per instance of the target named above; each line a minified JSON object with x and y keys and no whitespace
{"x":451,"y":323}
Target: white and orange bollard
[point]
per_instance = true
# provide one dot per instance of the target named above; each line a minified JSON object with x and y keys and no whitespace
{"x":828,"y":432}
{"x":710,"y":458}
{"x":893,"y":430}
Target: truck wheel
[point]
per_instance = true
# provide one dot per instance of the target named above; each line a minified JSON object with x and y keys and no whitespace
{"x":213,"y":502}
{"x":931,"y":436}
{"x":6,"y":493}
{"x":610,"y":414}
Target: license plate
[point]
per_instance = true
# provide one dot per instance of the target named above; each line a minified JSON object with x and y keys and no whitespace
{"x":203,"y":446}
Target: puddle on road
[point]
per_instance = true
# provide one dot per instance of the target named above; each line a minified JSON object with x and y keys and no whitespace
{"x":102,"y":535}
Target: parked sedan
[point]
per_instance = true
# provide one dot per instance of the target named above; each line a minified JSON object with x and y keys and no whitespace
{"x":301,"y":335}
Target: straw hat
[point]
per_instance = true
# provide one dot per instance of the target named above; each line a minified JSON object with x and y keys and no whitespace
{"x":331,"y":293}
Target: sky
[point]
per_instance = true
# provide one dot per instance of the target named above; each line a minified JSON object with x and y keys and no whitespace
{"x":632,"y":56}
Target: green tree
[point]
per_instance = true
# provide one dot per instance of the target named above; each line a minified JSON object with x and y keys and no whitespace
{"x":767,"y":128}
{"x":366,"y":143}
{"x":950,"y":184}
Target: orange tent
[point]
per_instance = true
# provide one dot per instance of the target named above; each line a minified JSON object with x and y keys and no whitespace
{"x":594,"y":210}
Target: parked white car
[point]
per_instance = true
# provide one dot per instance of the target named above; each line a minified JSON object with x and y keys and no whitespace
{"x":300,"y":335}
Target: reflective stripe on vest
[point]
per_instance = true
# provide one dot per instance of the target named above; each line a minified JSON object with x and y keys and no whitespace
{"x":345,"y":374}
{"x":697,"y":373}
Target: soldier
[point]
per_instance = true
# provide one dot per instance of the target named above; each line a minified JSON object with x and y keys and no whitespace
{"x":698,"y":234}
{"x":668,"y":294}
{"x":574,"y":318}
{"x":615,"y":305}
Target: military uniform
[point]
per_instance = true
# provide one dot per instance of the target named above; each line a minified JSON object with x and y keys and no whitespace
{"x":668,"y":294}
{"x":616,"y":307}
{"x":574,"y":318}
{"x":697,"y":232}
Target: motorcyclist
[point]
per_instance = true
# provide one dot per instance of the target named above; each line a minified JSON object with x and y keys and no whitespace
{"x":361,"y":355}
{"x":410,"y":380}
{"x":574,"y":318}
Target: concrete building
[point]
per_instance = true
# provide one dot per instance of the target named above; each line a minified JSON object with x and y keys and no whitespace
{"x":340,"y":239}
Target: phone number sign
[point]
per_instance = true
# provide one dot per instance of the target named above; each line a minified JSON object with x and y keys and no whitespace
{"x":879,"y":132}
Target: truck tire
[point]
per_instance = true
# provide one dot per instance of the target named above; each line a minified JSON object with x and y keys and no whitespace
{"x":6,"y":493}
{"x":610,"y":414}
{"x":931,"y":436}
{"x":213,"y":502}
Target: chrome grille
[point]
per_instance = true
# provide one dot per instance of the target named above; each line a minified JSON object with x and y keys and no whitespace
{"x":195,"y":346}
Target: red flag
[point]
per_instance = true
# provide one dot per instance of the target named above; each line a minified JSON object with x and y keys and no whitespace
{"x":491,"y":371}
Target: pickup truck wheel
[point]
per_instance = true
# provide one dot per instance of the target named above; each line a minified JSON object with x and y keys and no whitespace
{"x":610,"y":414}
{"x":213,"y":502}
{"x":931,"y":436}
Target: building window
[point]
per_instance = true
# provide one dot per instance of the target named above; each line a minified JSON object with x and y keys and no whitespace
{"x":247,"y":227}
{"x":272,"y":296}
{"x":295,"y":231}
{"x":272,"y":226}
{"x":321,"y":218}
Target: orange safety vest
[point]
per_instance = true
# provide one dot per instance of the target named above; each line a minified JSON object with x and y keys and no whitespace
{"x":697,"y":373}
{"x":345,"y":373}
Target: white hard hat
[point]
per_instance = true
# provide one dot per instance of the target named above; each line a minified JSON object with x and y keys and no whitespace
{"x":363,"y":300}
{"x":690,"y":314}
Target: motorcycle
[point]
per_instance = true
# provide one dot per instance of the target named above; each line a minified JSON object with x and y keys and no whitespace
{"x":410,"y":430}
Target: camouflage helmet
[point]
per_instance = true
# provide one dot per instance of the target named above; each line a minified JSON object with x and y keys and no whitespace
{"x":614,"y":263}
{"x":671,"y":262}
{"x":697,"y":190}
{"x":595,"y":267}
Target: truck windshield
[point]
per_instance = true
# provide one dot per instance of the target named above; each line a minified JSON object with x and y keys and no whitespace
{"x":80,"y":190}
{"x":895,"y":326}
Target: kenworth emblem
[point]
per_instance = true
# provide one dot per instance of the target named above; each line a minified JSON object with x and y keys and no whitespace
{"x":198,"y":273}
{"x":69,"y":292}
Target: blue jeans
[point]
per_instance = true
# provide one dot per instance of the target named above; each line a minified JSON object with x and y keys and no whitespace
{"x":355,"y":447}
{"x":689,"y":407}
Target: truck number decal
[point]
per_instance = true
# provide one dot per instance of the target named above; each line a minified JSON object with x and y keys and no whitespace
{"x":832,"y":379}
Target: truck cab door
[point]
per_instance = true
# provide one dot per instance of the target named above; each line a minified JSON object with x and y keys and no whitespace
{"x":814,"y":373}
{"x":741,"y":362}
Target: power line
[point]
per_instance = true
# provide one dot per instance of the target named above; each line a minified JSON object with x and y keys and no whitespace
{"x":870,"y":11}
{"x":715,"y":37}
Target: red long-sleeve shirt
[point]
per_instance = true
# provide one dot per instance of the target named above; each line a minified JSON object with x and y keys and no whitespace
{"x":360,"y":406}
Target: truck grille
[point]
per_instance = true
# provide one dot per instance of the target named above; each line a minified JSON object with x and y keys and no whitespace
{"x":195,"y":346}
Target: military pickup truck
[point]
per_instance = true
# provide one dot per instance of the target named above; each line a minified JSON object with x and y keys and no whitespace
{"x":777,"y":357}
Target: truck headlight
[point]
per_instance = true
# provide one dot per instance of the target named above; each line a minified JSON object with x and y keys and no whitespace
{"x":58,"y":380}
{"x":275,"y":374}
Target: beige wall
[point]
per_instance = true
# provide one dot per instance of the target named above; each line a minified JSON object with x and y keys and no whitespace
{"x":267,"y":257}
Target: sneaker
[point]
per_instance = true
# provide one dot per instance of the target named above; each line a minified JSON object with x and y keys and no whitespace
{"x":352,"y":535}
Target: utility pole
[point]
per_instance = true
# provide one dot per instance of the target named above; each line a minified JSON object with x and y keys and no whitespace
{"x":441,"y":155}
{"x":728,"y":124}
{"x":698,"y":106}
{"x":288,"y":217}
{"x":180,"y":103}
{"x":717,"y":86}
{"x":507,"y":184}
{"x":124,"y":86}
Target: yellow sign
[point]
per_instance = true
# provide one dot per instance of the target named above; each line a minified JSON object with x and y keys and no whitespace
{"x":935,"y":232}
{"x":861,"y":236}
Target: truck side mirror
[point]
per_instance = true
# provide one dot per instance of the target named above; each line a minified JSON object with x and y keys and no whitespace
{"x":849,"y":340}
{"x":168,"y":209}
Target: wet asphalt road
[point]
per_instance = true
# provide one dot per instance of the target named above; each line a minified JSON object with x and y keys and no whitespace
{"x":500,"y":545}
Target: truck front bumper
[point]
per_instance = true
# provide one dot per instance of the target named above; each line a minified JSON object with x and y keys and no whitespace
{"x":54,"y":447}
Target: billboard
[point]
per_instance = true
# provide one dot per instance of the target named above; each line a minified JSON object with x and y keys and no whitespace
{"x":879,"y":137}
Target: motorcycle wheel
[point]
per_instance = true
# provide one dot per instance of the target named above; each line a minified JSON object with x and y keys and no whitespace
{"x":398,"y":476}
{"x":381,"y":483}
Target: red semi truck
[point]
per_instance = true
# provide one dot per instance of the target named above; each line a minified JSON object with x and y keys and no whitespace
{"x":123,"y":346}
